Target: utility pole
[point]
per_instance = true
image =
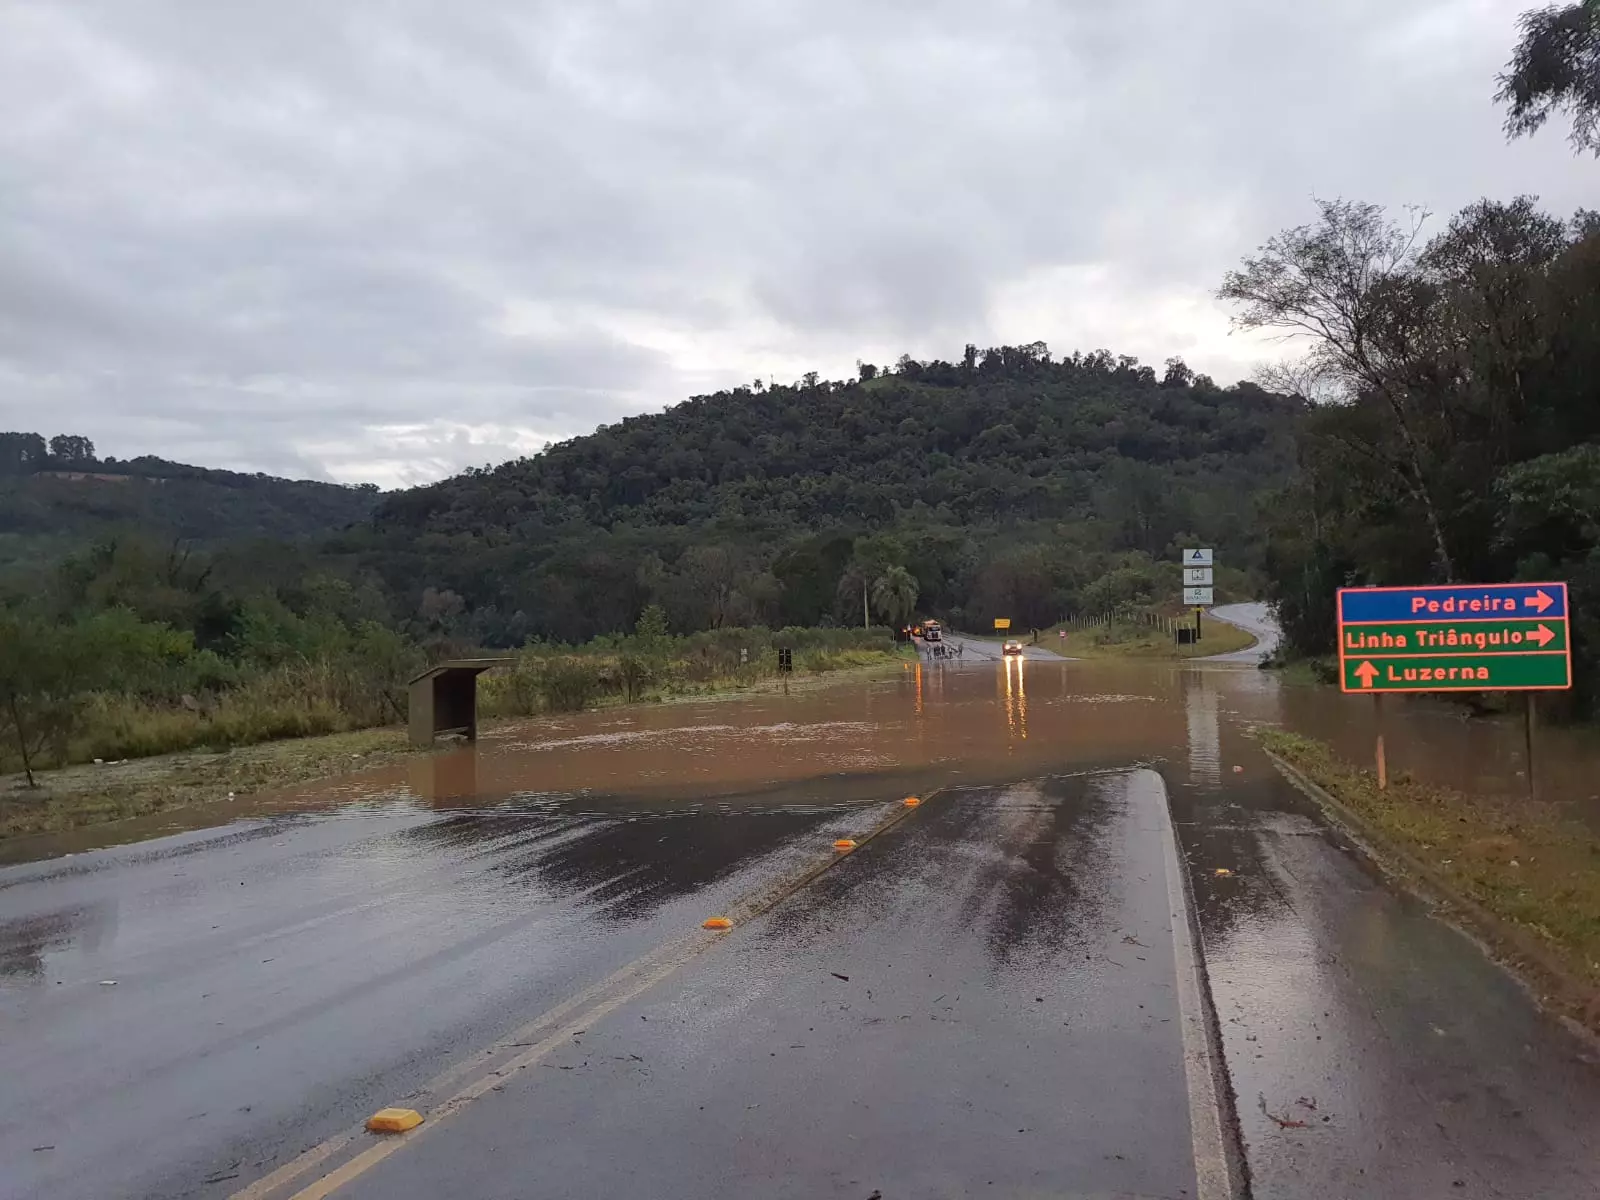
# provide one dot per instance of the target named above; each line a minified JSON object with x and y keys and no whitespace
{"x":866,"y":617}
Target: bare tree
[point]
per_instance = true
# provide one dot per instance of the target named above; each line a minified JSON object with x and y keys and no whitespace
{"x":1348,"y":283}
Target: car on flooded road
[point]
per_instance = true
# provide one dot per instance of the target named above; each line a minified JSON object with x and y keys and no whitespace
{"x":1012,"y":647}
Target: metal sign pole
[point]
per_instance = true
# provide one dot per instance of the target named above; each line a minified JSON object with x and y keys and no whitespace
{"x":1383,"y":761}
{"x":1527,"y":734}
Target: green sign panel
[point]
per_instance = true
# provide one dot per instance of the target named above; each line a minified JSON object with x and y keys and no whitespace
{"x":1499,"y":637}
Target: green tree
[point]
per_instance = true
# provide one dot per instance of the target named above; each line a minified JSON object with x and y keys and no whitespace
{"x":71,"y":448}
{"x":20,"y":452}
{"x":1554,"y":68}
{"x":46,"y":673}
{"x":894,"y":595}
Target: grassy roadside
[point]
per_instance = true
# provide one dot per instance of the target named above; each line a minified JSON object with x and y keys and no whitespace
{"x":85,"y":794}
{"x":1524,"y":878}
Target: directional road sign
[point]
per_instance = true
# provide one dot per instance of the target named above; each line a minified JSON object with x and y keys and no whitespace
{"x":1197,"y":558}
{"x":1197,"y":577}
{"x":1197,"y":595}
{"x":1500,"y":637}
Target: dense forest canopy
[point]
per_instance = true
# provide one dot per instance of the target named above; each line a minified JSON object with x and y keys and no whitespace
{"x":1006,"y":483}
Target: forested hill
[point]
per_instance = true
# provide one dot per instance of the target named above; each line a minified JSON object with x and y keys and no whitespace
{"x":1006,"y":481}
{"x":1009,"y":436}
{"x":57,"y":496}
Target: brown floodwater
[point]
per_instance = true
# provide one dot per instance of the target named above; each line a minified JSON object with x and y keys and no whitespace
{"x":926,"y":726}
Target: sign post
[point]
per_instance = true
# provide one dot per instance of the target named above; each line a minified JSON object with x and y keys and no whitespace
{"x":1501,"y":637}
{"x":1197,"y":582}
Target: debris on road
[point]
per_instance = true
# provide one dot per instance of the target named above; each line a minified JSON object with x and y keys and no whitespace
{"x":1280,"y":1122}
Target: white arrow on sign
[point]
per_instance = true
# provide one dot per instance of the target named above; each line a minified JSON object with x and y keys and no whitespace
{"x":1196,"y":576}
{"x":1197,"y":558}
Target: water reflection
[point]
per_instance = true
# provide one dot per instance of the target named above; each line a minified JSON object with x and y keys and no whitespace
{"x":27,"y":944}
{"x":1016,"y":697}
{"x":1205,"y":730}
{"x":446,"y":778}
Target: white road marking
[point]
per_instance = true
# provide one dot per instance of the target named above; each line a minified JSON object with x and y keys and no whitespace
{"x":1202,"y":1067}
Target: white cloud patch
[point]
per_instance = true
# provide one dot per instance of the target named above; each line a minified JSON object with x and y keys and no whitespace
{"x":389,"y":240}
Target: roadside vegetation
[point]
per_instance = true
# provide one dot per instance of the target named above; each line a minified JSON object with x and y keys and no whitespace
{"x":106,"y":695}
{"x":1530,"y":875}
{"x":1124,"y":638}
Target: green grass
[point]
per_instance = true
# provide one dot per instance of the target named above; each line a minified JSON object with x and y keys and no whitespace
{"x":1523,"y":863}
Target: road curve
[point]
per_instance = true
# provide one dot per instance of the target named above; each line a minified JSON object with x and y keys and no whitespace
{"x":1253,"y":617}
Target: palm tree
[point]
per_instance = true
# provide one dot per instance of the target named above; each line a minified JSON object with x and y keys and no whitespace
{"x":894,"y":595}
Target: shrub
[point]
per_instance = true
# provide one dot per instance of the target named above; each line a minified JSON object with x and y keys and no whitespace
{"x":570,"y":685}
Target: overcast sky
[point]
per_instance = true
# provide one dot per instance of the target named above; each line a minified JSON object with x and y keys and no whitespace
{"x":386,"y":240}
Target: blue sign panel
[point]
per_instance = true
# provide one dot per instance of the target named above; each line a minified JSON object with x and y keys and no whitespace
{"x":1493,"y":601}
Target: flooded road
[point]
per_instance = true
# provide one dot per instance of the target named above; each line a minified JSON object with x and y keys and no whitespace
{"x":189,"y":1015}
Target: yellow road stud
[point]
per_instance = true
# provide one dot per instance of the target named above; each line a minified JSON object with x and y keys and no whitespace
{"x":844,"y":844}
{"x":912,"y":802}
{"x":394,"y":1120}
{"x":716,"y":923}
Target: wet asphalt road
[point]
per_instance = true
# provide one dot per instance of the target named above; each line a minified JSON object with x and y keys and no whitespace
{"x":532,"y":975}
{"x":272,"y":982}
{"x":980,"y":1002}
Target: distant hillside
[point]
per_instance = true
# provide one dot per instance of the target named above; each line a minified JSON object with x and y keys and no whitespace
{"x":57,"y":496}
{"x":751,"y":503}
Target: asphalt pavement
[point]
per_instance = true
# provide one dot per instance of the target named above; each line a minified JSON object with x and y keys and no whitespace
{"x":188,"y":1013}
{"x":981,"y":1001}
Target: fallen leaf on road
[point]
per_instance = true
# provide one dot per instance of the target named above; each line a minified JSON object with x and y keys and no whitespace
{"x":836,"y":975}
{"x":1280,"y":1122}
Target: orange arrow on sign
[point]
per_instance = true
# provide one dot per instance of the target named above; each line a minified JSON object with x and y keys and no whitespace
{"x":1366,"y":672}
{"x":1544,"y":635}
{"x":1540,"y":600}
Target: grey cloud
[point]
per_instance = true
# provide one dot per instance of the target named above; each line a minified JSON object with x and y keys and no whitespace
{"x":274,"y":235}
